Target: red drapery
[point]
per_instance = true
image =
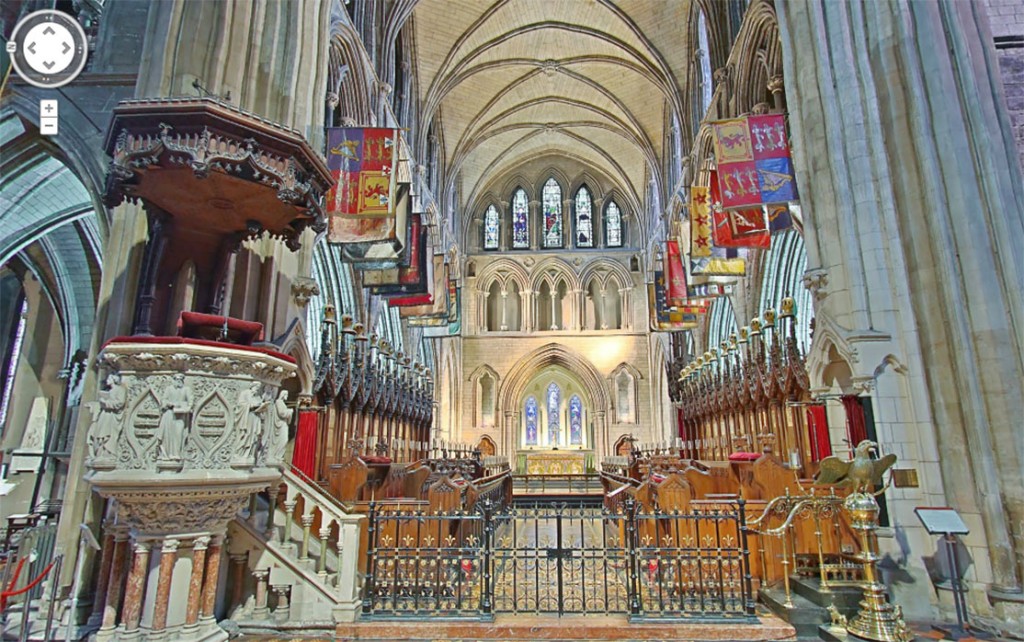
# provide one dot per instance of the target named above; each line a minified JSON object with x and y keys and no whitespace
{"x":817,"y":431}
{"x":304,"y":453}
{"x":856,"y":427}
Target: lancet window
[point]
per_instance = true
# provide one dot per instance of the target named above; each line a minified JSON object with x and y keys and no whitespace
{"x":612,"y":225}
{"x":575,"y":421}
{"x":520,"y":220}
{"x":704,"y":56}
{"x":584,"y":218}
{"x":552,"y":211}
{"x":554,"y":414}
{"x":492,"y":228}
{"x":530,"y":412}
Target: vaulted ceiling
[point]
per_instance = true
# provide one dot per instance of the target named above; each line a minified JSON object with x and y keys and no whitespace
{"x":513,"y":80}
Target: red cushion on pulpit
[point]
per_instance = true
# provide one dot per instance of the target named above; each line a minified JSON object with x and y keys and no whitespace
{"x":744,"y":456}
{"x":196,"y":325}
{"x":200,"y":342}
{"x":376,"y":459}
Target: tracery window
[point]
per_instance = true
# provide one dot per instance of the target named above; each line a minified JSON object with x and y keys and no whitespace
{"x":492,"y":228}
{"x":520,"y":220}
{"x":584,"y":218}
{"x":552,"y":207}
{"x":554,"y":415}
{"x":613,"y":225}
{"x":575,"y":421}
{"x":530,"y":411}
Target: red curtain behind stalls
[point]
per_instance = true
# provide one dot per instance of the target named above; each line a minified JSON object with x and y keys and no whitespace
{"x":304,"y":453}
{"x":856,"y":427}
{"x":817,"y":431}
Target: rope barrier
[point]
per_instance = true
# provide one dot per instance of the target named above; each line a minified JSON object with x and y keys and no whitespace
{"x":28,"y":587}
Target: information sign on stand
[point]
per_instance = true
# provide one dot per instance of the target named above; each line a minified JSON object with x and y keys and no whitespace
{"x":945,"y":521}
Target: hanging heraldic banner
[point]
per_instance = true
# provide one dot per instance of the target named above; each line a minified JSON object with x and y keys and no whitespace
{"x":700,"y":221}
{"x":754,"y":166}
{"x":666,"y":318}
{"x":676,"y":285}
{"x":737,"y":228}
{"x":364,"y":206}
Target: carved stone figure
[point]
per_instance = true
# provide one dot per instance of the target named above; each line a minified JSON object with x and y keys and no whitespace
{"x":278,"y":439}
{"x":175,"y":409}
{"x":247,"y":422}
{"x":106,"y":417}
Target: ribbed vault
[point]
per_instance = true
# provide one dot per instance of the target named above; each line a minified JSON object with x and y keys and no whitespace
{"x":512,"y":80}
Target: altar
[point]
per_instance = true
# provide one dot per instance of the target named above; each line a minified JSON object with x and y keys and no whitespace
{"x":556,"y":462}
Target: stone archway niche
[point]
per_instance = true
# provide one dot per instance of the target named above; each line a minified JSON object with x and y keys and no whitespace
{"x":573,"y":375}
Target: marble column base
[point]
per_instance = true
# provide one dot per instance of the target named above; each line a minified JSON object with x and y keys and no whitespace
{"x":201,"y":632}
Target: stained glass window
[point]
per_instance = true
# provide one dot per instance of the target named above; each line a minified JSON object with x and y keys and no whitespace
{"x":552,"y":203}
{"x":492,"y":228}
{"x":531,"y":421}
{"x":613,"y":225}
{"x":575,"y":421}
{"x":554,"y":419}
{"x":584,"y":219}
{"x":520,"y":220}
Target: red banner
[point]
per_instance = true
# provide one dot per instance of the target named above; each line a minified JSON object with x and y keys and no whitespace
{"x":676,"y":286}
{"x":737,"y":228}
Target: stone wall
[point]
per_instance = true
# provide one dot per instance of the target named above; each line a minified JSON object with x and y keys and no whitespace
{"x":1006,"y":18}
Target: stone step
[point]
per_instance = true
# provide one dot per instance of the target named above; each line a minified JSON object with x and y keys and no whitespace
{"x":805,"y":616}
{"x":845,"y":598}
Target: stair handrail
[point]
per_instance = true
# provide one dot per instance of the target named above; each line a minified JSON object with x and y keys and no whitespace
{"x":314,"y":490}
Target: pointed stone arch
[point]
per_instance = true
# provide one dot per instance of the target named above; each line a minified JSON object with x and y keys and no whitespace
{"x":527,"y":368}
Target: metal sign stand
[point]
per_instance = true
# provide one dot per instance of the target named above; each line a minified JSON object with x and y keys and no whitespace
{"x":946,"y":521}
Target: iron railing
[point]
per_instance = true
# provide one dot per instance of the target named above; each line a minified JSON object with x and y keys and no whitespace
{"x":559,"y":559}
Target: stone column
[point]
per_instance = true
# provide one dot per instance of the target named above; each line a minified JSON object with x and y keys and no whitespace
{"x":307,"y":525}
{"x":261,"y":611}
{"x":321,"y":564}
{"x":945,"y":299}
{"x":136,"y":586}
{"x":625,"y":311}
{"x":103,"y":580}
{"x":209,"y":597}
{"x":195,"y":583}
{"x":526,"y":311}
{"x":237,"y":562}
{"x":115,"y":583}
{"x":168,"y":555}
{"x":289,"y":510}
{"x":575,"y":311}
{"x":504,"y":312}
{"x":272,"y":492}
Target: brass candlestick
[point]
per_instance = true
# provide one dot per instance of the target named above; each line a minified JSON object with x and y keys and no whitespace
{"x":877,"y":619}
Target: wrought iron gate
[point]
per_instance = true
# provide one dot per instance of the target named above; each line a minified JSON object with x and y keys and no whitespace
{"x":559,"y":559}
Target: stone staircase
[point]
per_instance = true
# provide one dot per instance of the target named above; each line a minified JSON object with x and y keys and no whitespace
{"x":809,"y":610}
{"x":296,"y":575}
